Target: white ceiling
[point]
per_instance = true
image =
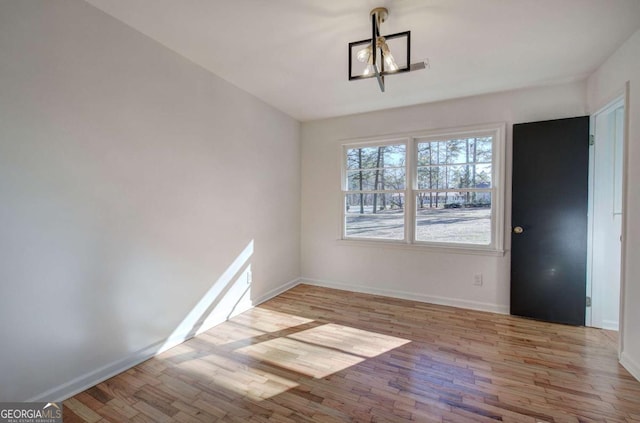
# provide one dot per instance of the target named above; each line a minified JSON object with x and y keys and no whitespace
{"x":292,"y":54}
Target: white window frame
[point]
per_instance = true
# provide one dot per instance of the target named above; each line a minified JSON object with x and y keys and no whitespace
{"x":407,"y":184}
{"x":498,"y":182}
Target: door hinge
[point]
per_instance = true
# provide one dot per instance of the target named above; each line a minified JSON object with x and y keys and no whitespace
{"x":592,"y":139}
{"x":588,"y":301}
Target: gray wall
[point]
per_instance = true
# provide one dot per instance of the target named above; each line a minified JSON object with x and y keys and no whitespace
{"x":131,"y":180}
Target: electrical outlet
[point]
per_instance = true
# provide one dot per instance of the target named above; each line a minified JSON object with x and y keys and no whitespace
{"x":477,"y":279}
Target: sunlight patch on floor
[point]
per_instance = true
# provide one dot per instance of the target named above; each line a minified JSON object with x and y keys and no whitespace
{"x":233,"y":375}
{"x":230,"y":332}
{"x":269,"y":320}
{"x":323,"y":350}
{"x":350,"y":340}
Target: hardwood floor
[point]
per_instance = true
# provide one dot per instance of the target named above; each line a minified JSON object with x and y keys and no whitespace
{"x":321,"y":355}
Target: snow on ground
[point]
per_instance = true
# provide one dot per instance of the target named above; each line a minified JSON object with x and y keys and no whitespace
{"x":468,"y":226}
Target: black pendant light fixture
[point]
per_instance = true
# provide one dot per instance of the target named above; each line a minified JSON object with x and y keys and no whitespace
{"x":373,"y":57}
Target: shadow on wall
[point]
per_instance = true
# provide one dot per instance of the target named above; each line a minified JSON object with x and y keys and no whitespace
{"x":228,"y":296}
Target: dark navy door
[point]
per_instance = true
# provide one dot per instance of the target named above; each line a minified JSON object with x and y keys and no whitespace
{"x":549,"y":220}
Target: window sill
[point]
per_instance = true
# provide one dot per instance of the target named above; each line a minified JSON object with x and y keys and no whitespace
{"x":400,"y":245}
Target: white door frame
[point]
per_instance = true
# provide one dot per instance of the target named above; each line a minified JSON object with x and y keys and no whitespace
{"x":621,"y":100}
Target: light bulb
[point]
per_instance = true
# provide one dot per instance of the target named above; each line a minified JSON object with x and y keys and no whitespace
{"x":371,"y":67}
{"x":364,"y":54}
{"x":390,"y":61}
{"x":369,"y":70}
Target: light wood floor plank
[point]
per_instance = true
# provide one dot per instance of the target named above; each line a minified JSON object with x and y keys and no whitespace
{"x":321,"y":355}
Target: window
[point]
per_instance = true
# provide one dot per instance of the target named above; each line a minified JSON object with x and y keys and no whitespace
{"x":439,"y":189}
{"x":454,"y":190}
{"x":374,"y":200}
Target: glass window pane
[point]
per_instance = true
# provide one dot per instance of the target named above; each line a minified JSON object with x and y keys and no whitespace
{"x":376,"y":216}
{"x":394,"y":155}
{"x":453,"y":177}
{"x":468,"y":176}
{"x":455,"y":151}
{"x":442,"y":152}
{"x":360,"y":180}
{"x":361,"y":158}
{"x":376,"y":157}
{"x":431,"y":177}
{"x":377,"y":179}
{"x":454,"y":217}
{"x":426,"y":153}
{"x":394,"y":179}
{"x":481,"y":176}
{"x":483,"y":149}
{"x":458,"y":176}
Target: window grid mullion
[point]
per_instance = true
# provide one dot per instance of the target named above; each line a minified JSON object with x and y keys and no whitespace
{"x":366,"y":191}
{"x":409,"y":210}
{"x":451,"y":164}
{"x":370,"y":169}
{"x":454,"y":190}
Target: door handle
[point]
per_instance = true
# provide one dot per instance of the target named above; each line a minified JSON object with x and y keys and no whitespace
{"x":518,"y":230}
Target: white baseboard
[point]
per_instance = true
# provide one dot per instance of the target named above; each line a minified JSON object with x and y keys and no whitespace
{"x":431,"y":299}
{"x":275,"y":292}
{"x":86,"y":381}
{"x":631,"y":366}
{"x":610,"y":325}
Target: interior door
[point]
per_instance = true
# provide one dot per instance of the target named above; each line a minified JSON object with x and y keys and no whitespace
{"x":549,"y":215}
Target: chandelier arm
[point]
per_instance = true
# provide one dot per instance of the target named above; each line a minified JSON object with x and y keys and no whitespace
{"x":374,"y":47}
{"x":408,"y":50}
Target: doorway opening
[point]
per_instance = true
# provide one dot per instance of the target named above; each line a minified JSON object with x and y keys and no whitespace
{"x":606,"y":219}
